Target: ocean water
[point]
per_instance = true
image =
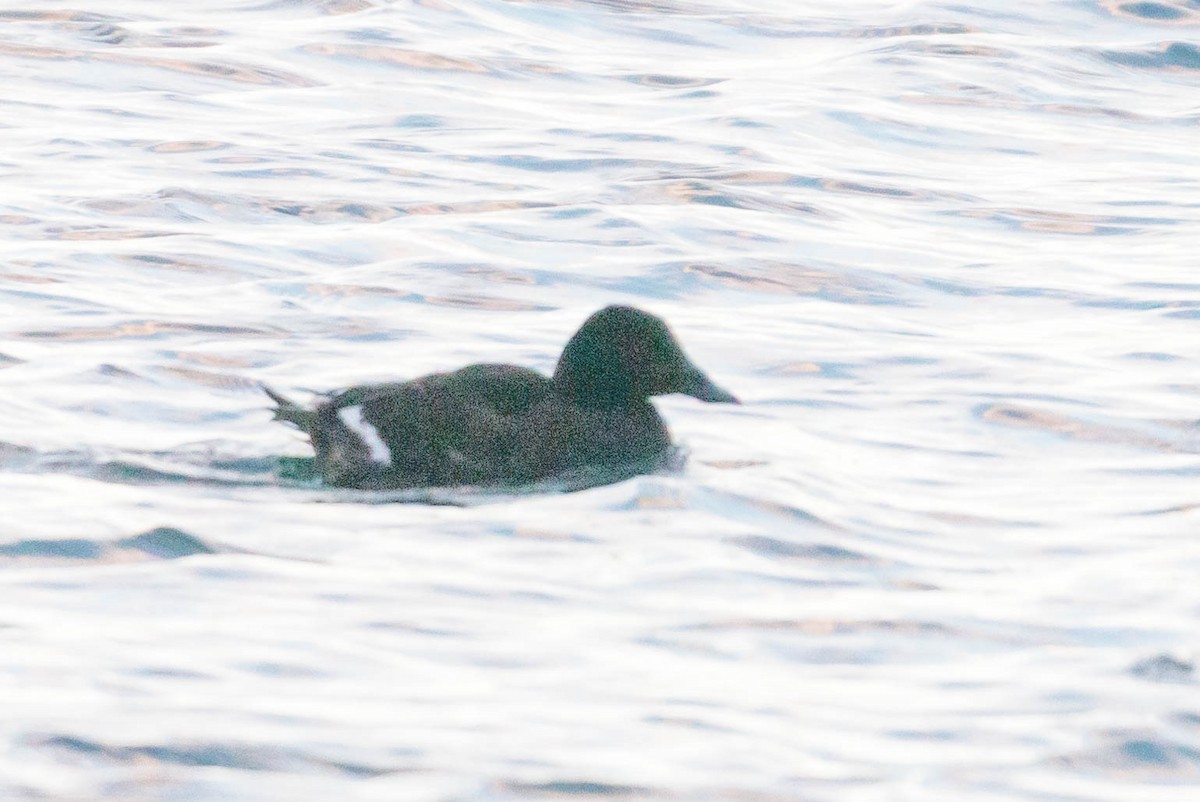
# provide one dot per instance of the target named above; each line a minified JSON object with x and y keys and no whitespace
{"x":945,"y":253}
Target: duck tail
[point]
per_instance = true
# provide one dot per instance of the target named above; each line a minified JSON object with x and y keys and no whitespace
{"x":290,"y":411}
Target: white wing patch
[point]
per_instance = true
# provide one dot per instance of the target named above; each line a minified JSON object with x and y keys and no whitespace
{"x":353,"y":418}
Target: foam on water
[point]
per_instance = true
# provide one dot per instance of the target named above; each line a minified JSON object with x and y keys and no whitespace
{"x":944,"y":253}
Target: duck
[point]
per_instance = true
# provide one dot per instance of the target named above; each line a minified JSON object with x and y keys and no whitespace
{"x":502,"y":424}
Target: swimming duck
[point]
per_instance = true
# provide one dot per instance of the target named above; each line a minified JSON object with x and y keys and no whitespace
{"x":508,"y":425}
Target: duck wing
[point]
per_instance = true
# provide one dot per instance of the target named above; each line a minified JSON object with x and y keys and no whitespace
{"x":482,"y":424}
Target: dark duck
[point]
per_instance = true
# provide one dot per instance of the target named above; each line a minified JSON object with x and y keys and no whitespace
{"x":507,"y":425}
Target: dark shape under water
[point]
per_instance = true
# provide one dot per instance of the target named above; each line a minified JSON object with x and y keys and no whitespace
{"x":507,"y":425}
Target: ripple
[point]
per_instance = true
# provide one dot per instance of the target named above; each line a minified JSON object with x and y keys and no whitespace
{"x":775,"y":548}
{"x":1060,"y":222}
{"x":105,"y":33}
{"x":144,"y":329}
{"x":54,"y":16}
{"x":646,"y":6}
{"x":1075,"y":428}
{"x":230,"y":755}
{"x":187,"y":205}
{"x":577,"y":789}
{"x":66,"y":549}
{"x":661,"y":81}
{"x":952,"y":49}
{"x":713,"y":193}
{"x":489,"y":302}
{"x":224,"y":71}
{"x":543,"y":164}
{"x":1145,"y":755}
{"x":163,"y":543}
{"x":327,"y":7}
{"x":1165,"y":668}
{"x":1177,"y":12}
{"x":166,"y":543}
{"x":828,"y":626}
{"x":206,"y":378}
{"x":395,"y":56}
{"x":1168,"y":57}
{"x":786,"y":279}
{"x":86,"y":233}
{"x":184,"y":146}
{"x":919,"y":29}
{"x":473,"y":207}
{"x":179,"y":264}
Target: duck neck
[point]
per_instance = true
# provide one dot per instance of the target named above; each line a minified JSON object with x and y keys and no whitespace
{"x":587,"y":386}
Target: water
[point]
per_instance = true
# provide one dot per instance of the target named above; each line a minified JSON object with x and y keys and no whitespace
{"x":945,"y":253}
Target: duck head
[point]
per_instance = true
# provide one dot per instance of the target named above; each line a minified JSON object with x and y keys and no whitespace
{"x":621,"y":356}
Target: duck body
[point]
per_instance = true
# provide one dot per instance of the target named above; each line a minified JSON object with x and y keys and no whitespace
{"x":494,"y":424}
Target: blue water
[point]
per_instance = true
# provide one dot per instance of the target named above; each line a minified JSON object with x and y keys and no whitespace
{"x":945,"y":253}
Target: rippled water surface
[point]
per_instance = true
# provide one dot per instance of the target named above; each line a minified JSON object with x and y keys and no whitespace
{"x":945,"y":253}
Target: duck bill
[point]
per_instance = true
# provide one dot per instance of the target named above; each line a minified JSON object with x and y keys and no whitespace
{"x":700,"y":386}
